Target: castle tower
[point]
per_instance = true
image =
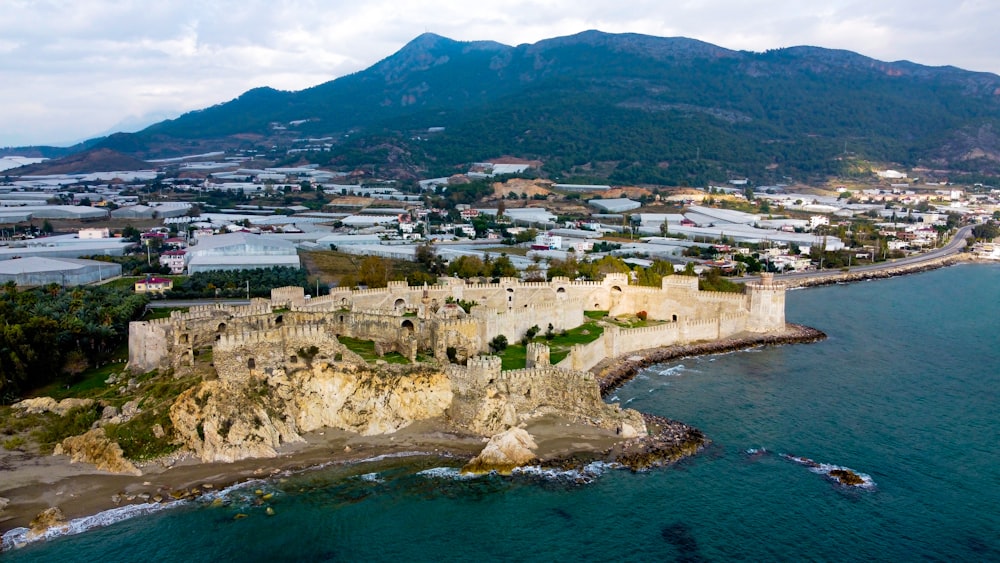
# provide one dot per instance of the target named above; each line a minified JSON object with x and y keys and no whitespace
{"x":537,"y":355}
{"x":767,"y":304}
{"x":425,"y":304}
{"x":484,"y":368}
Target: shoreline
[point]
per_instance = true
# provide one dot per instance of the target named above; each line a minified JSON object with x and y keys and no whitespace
{"x":81,"y":490}
{"x":36,"y":483}
{"x":849,"y":276}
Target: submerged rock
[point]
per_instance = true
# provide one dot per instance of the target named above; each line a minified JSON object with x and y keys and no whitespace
{"x":847,"y":477}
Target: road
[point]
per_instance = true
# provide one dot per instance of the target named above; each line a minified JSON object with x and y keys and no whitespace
{"x":954,"y":246}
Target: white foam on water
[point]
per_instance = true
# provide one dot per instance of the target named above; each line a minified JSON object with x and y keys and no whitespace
{"x":586,"y":474}
{"x":824,"y":469}
{"x":674,"y":371}
{"x":20,"y":537}
{"x":452,"y":473}
{"x":371,"y":478}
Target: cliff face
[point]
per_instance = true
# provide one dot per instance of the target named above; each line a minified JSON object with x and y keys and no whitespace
{"x":232,"y":419}
{"x":227,"y":420}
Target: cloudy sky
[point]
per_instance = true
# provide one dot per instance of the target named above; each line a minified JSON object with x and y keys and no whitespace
{"x":74,"y":69}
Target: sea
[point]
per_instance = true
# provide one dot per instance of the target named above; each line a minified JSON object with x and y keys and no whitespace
{"x":903,"y":392}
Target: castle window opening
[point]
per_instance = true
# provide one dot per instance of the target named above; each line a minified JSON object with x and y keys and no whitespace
{"x":400,"y":304}
{"x":279,"y":319}
{"x":222,"y":327}
{"x":616,"y":289}
{"x":675,"y":318}
{"x":407,"y":325}
{"x":184,"y":339}
{"x":341,"y":318}
{"x":251,"y":364}
{"x":561,"y":290}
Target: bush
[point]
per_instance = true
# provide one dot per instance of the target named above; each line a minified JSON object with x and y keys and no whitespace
{"x":13,"y":443}
{"x":75,"y":422}
{"x":642,"y":315}
{"x":498,"y":344}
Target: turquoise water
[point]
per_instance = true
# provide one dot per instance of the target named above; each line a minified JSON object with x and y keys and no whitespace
{"x":904,"y":391}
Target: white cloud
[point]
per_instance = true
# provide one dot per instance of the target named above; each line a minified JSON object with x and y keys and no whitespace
{"x":75,"y":68}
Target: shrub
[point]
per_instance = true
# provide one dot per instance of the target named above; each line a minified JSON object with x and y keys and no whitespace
{"x":498,"y":344}
{"x":642,"y":315}
{"x":13,"y":443}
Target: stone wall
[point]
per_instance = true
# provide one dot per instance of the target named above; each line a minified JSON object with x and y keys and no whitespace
{"x":488,"y":400}
{"x":410,"y":319}
{"x":148,"y":344}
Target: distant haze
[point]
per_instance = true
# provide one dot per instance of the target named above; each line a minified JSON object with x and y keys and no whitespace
{"x":74,"y":70}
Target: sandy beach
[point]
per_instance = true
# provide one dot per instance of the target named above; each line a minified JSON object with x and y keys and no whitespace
{"x":34,"y":483}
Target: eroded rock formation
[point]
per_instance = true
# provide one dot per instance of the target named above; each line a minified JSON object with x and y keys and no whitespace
{"x":505,"y":451}
{"x":95,"y":448}
{"x":228,"y":419}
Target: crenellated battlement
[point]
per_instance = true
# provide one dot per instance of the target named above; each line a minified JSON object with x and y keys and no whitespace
{"x":415,"y":319}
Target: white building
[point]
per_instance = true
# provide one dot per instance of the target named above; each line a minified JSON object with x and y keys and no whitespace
{"x":239,"y":251}
{"x":90,"y":234}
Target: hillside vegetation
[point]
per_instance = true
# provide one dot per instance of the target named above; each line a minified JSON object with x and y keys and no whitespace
{"x":624,"y":108}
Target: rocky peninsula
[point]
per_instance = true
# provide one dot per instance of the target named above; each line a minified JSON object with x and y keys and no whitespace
{"x":282,"y":385}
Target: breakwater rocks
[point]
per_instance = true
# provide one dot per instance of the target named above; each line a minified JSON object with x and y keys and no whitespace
{"x":881,"y":273}
{"x":667,"y":441}
{"x":615,"y":372}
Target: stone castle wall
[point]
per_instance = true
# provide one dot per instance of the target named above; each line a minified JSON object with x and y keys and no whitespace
{"x":408,"y":319}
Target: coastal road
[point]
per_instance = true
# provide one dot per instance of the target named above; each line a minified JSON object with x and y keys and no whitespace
{"x":954,"y":246}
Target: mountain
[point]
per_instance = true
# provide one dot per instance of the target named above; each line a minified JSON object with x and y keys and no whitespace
{"x":625,"y":107}
{"x":90,"y":160}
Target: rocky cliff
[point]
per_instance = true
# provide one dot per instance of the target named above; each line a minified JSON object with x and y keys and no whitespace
{"x":238,"y":418}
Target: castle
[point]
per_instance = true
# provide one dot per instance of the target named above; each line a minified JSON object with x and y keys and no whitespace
{"x":289,"y":330}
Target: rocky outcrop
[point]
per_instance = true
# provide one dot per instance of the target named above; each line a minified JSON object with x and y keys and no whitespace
{"x":40,"y":405}
{"x":667,"y":441}
{"x":227,"y":420}
{"x":489,"y":401}
{"x":46,"y":519}
{"x":504,"y":452}
{"x":94,"y":447}
{"x":3,"y":503}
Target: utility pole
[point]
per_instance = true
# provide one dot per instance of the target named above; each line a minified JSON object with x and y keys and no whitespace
{"x":248,"y":290}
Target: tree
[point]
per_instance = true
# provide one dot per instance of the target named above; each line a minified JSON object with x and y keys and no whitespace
{"x":47,"y":227}
{"x":503,"y":267}
{"x":467,"y":267}
{"x":374,"y":272}
{"x":498,"y":344}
